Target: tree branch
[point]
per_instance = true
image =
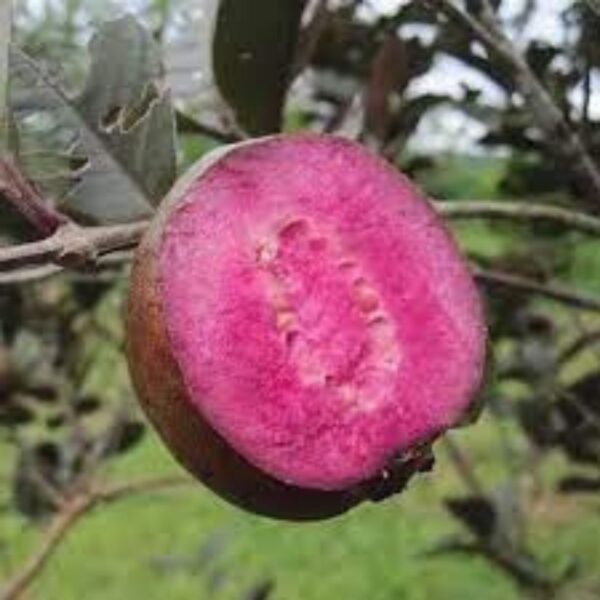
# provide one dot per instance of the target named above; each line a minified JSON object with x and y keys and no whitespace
{"x":517,"y":211}
{"x":76,"y":246}
{"x":19,"y":192}
{"x":523,"y":284}
{"x":73,"y":246}
{"x":56,"y":532}
{"x":464,"y":466}
{"x":67,"y":518}
{"x":28,"y":275}
{"x":562,"y":139}
{"x":101,"y":270}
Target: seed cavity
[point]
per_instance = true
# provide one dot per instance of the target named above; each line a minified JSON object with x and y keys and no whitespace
{"x":331,"y":319}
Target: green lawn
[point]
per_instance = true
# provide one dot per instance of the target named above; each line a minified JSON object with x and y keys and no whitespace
{"x":186,"y":543}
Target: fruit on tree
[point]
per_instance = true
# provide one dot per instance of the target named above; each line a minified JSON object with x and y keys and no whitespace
{"x":301,"y":326}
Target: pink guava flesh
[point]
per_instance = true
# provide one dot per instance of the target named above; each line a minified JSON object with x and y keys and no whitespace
{"x":322,"y":318}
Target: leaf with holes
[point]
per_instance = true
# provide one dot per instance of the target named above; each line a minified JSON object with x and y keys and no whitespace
{"x":123,"y":120}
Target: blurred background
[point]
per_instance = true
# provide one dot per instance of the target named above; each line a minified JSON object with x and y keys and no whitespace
{"x":494,"y":109}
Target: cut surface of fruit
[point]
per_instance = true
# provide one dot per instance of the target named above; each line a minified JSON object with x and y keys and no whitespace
{"x":321,"y":317}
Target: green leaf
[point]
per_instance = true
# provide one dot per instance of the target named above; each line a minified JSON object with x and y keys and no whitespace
{"x":123,"y":121}
{"x":253,"y":49}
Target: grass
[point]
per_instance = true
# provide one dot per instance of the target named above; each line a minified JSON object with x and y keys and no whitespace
{"x":158,"y":546}
{"x":186,"y":543}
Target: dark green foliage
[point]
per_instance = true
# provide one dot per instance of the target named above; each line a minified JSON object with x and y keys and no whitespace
{"x":253,"y":65}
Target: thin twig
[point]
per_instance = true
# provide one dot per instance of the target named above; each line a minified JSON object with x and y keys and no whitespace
{"x":310,"y":36}
{"x":562,"y":139}
{"x":187,"y":124}
{"x":586,"y":340}
{"x":514,"y":560}
{"x":120,"y":490}
{"x":53,"y":494}
{"x":67,"y":518}
{"x":555,"y":292}
{"x":520,"y":211}
{"x":106,"y":268}
{"x":464,"y":466}
{"x":57,"y":530}
{"x":22,"y":195}
{"x":29,"y":275}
